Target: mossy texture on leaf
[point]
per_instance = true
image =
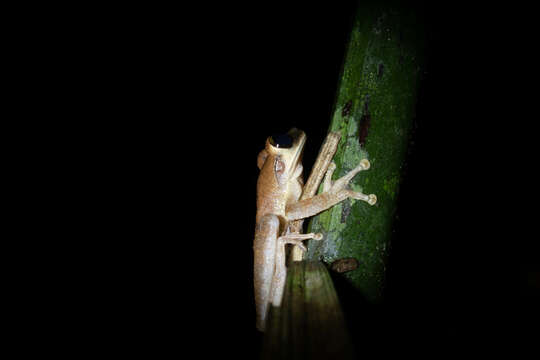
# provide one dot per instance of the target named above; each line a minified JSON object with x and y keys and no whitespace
{"x":374,"y":111}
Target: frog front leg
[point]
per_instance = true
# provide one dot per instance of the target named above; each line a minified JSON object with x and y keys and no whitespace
{"x":333,"y":193}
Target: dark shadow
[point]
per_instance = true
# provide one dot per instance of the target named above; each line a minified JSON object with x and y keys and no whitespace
{"x":367,"y":322}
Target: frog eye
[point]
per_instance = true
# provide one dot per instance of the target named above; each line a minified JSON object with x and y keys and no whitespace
{"x":281,"y":141}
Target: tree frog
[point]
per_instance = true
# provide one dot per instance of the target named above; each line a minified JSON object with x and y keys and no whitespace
{"x":279,"y":188}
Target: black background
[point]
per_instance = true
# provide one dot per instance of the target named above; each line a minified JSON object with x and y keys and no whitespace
{"x":183,"y":100}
